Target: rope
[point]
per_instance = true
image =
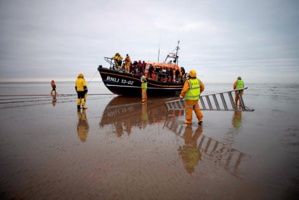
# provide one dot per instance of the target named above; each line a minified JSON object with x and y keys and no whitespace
{"x":92,"y":78}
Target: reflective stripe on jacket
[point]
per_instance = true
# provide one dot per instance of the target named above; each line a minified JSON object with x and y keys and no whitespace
{"x":194,"y":91}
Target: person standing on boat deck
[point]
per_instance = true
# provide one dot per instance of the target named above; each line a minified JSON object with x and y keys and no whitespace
{"x":53,"y":84}
{"x":143,"y":66}
{"x":139,"y":67}
{"x":151,"y":70}
{"x":127,"y":63}
{"x":81,"y":89}
{"x":183,"y":71}
{"x":143,"y":89}
{"x":117,"y":60}
{"x":238,"y":85}
{"x":173,"y":75}
{"x":177,"y":75}
{"x":191,"y":92}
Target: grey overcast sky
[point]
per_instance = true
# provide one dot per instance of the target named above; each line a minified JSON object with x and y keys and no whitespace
{"x":220,"y":39}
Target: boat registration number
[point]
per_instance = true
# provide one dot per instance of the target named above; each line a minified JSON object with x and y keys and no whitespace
{"x":124,"y":81}
{"x":117,"y":80}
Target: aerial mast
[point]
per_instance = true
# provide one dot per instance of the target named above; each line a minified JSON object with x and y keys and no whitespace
{"x":176,"y":60}
{"x":174,"y":55}
{"x":159,"y":49}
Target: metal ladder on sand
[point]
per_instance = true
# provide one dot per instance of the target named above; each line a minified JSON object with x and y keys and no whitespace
{"x":213,"y":102}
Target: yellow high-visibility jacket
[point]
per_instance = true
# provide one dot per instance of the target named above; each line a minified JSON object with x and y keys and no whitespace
{"x":80,"y":84}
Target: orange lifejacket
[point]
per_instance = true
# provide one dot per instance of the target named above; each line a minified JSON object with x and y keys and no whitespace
{"x":154,"y":77}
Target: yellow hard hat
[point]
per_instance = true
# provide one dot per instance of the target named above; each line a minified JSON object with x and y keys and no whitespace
{"x":192,"y":73}
{"x":80,"y":75}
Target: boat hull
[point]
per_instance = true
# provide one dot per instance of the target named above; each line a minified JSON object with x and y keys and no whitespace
{"x":126,"y":84}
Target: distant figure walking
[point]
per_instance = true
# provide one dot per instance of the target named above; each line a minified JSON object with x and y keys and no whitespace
{"x":53,"y":91}
{"x":239,"y":84}
{"x":191,"y":93}
{"x":81,"y":89}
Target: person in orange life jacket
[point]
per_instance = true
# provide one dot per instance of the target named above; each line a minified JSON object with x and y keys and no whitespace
{"x":191,"y":93}
{"x":238,"y":85}
{"x":143,"y":89}
{"x":127,"y":63}
{"x":81,"y":89}
{"x":151,"y":70}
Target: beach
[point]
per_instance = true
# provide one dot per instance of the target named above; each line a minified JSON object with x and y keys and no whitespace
{"x":120,"y":148}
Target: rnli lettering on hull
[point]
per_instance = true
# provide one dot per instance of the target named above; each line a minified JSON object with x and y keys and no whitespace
{"x":117,"y":80}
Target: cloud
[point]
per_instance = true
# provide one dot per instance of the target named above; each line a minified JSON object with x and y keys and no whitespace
{"x":41,"y":39}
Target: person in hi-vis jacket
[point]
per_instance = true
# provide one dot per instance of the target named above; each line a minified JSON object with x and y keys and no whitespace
{"x":191,"y":93}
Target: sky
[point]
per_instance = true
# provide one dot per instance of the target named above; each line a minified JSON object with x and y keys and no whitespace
{"x":44,"y":40}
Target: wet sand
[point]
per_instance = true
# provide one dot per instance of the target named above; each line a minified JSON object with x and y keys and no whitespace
{"x":121,"y":149}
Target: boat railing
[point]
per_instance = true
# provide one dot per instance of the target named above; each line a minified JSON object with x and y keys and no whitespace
{"x":110,"y":61}
{"x":213,"y":102}
{"x":173,"y":57}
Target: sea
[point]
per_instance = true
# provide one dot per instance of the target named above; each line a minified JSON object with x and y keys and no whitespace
{"x":51,"y":151}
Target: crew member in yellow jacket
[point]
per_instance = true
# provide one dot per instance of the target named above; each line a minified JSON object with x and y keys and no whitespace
{"x":118,"y":59}
{"x":238,"y":85}
{"x":191,"y":93}
{"x":81,"y":89}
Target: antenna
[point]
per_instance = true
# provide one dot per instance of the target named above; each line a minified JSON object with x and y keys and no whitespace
{"x":159,"y":49}
{"x":158,"y":54}
{"x":176,"y":54}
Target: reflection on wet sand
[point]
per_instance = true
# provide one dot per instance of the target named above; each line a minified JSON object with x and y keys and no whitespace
{"x":229,"y":137}
{"x":123,"y":113}
{"x":237,"y":119}
{"x":82,"y":126}
{"x":200,"y":147}
{"x":54,"y":100}
{"x":190,"y":152}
